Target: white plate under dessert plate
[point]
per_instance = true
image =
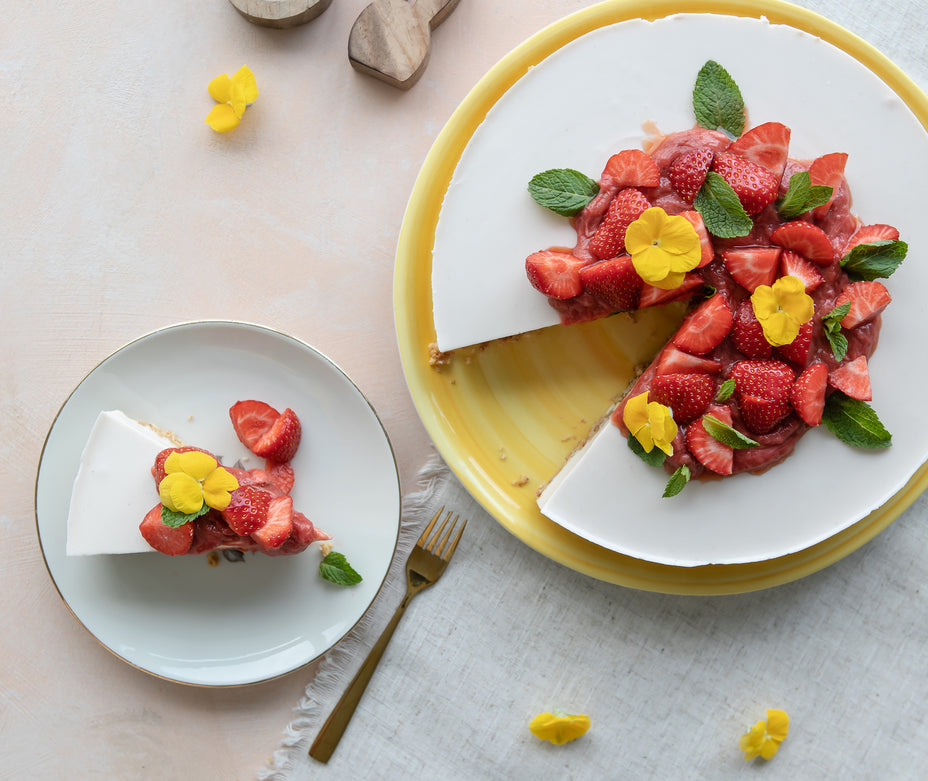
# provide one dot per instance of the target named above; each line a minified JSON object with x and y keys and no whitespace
{"x":505,"y":415}
{"x":237,"y":623}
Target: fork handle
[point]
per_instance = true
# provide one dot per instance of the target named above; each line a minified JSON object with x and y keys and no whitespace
{"x":334,"y":727}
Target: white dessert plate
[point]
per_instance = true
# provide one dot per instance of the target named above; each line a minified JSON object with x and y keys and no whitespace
{"x":238,"y":622}
{"x":506,"y":415}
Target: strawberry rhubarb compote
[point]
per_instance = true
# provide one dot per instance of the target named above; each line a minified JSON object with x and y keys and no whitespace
{"x":782,"y":280}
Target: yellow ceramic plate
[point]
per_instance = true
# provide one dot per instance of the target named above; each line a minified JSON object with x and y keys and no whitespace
{"x":506,"y":415}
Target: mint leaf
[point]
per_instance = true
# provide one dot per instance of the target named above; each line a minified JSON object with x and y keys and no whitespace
{"x":654,"y":458}
{"x":563,"y":190}
{"x":725,"y":434}
{"x":831,"y":327}
{"x":875,"y":260}
{"x":802,"y":196}
{"x":725,"y":390}
{"x":336,"y":569}
{"x":717,"y":101}
{"x":174,"y":519}
{"x":720,"y":208}
{"x":677,"y":481}
{"x":854,"y":422}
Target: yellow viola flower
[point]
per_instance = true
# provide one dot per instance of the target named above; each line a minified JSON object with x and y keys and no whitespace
{"x":663,"y":248}
{"x":764,"y":738}
{"x":559,"y":727}
{"x":782,"y":308}
{"x":193,"y":478}
{"x":233,"y":95}
{"x":651,"y":423}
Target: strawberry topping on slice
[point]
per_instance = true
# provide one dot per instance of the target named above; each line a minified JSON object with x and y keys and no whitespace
{"x":163,"y":538}
{"x":251,"y":420}
{"x":555,"y":274}
{"x":747,"y":334}
{"x":614,"y":282}
{"x":853,"y":378}
{"x":279,"y":524}
{"x":673,"y":361}
{"x":807,"y":239}
{"x":752,"y":266}
{"x":767,"y":145}
{"x":807,"y":394}
{"x":651,"y":295}
{"x":705,"y":327}
{"x":688,"y":172}
{"x":609,"y":240}
{"x":247,"y":509}
{"x":281,"y":475}
{"x":868,"y":299}
{"x":157,"y":470}
{"x":754,"y":185}
{"x":687,"y":395}
{"x":705,"y":448}
{"x":281,"y":440}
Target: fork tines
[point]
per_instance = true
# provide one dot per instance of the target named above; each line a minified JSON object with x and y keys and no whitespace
{"x":438,"y":544}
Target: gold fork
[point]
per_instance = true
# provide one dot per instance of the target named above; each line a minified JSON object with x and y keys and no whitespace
{"x":426,"y":563}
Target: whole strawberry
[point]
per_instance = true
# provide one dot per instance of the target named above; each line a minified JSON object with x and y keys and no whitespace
{"x":755,"y":186}
{"x":688,"y":172}
{"x":609,"y":240}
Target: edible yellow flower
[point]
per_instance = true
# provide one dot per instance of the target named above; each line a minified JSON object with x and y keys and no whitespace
{"x":765,"y":737}
{"x":559,"y":727}
{"x":192,"y":478}
{"x":232,"y":95}
{"x":663,"y":248}
{"x":651,"y":423}
{"x":781,"y":309}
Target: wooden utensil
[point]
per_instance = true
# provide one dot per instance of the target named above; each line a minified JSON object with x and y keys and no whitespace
{"x":390,"y":39}
{"x":280,"y":13}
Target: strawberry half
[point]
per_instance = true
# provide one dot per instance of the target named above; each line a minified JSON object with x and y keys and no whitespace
{"x":281,"y":475}
{"x":762,"y":415}
{"x":609,"y":240}
{"x":707,"y":251}
{"x":276,"y":530}
{"x":251,"y":420}
{"x":868,"y":299}
{"x":807,"y":394}
{"x":631,"y":168}
{"x":687,"y":395}
{"x":614,"y":282}
{"x":247,"y":510}
{"x":867,"y":234}
{"x":767,"y":145}
{"x":797,"y":350}
{"x":163,"y":538}
{"x":807,"y":239}
{"x":688,"y":172}
{"x":770,"y":380}
{"x":705,"y":327}
{"x":794,"y":265}
{"x":747,"y":334}
{"x":674,"y":361}
{"x":555,"y":274}
{"x":828,"y":170}
{"x":281,"y":441}
{"x":651,"y":295}
{"x":705,"y":448}
{"x":752,"y":266}
{"x":754,"y":185}
{"x":853,"y":378}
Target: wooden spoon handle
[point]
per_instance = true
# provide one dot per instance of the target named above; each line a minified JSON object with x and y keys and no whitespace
{"x":280,"y":13}
{"x":390,"y":39}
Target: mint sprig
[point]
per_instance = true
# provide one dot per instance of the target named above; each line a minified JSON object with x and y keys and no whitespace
{"x":654,"y":458}
{"x":563,"y":190}
{"x":725,"y":434}
{"x":874,"y":260}
{"x":802,"y":196}
{"x":854,"y":422}
{"x":717,"y":101}
{"x":720,"y":208}
{"x":336,"y":569}
{"x":176,"y":520}
{"x":677,"y":481}
{"x":831,"y":327}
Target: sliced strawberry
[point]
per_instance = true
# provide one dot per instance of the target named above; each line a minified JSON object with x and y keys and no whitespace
{"x":631,"y":168}
{"x":794,"y":265}
{"x":251,"y":420}
{"x":706,"y":249}
{"x":868,"y":299}
{"x":770,"y":380}
{"x":767,"y":145}
{"x":281,"y":441}
{"x":688,"y":172}
{"x":651,"y":295}
{"x":754,"y":185}
{"x":705,"y":327}
{"x":807,"y":239}
{"x":157,"y":470}
{"x":674,"y":361}
{"x":807,"y":395}
{"x":609,"y":240}
{"x":687,"y":395}
{"x":247,"y":509}
{"x":752,"y":266}
{"x":828,"y":170}
{"x":555,"y":274}
{"x":797,"y":350}
{"x":163,"y":538}
{"x":853,"y":378}
{"x":705,"y":448}
{"x":747,"y":334}
{"x":279,"y":524}
{"x":281,"y":475}
{"x":762,"y":415}
{"x":614,"y":282}
{"x":867,"y":234}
